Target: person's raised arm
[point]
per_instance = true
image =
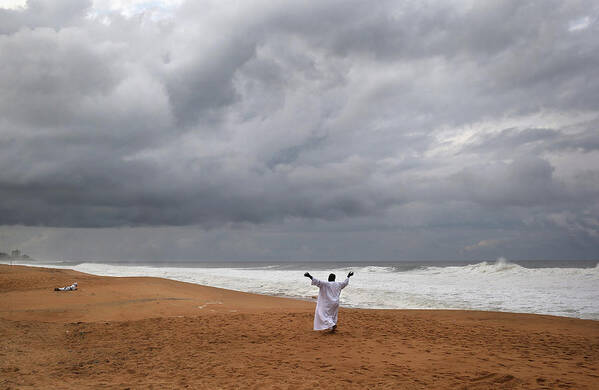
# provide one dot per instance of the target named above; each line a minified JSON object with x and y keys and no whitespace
{"x":346,"y":281}
{"x":315,"y":282}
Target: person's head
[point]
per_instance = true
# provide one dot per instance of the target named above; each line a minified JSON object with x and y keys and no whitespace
{"x":331,"y":277}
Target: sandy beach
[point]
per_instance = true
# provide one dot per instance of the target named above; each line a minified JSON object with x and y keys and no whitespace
{"x":158,"y":333}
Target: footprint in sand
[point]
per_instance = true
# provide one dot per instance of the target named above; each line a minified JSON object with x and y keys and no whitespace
{"x":209,"y":303}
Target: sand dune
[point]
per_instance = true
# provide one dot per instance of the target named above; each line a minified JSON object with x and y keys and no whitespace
{"x":157,"y":333}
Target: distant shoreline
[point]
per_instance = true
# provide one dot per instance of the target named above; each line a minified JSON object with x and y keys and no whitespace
{"x":78,"y":275}
{"x":559,"y":289}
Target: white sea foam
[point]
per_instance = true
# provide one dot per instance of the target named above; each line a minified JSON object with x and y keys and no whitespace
{"x":499,"y":286}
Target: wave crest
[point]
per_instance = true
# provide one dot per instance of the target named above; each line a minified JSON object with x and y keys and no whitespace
{"x":501,"y":265}
{"x":374,"y":269}
{"x":485,"y":267}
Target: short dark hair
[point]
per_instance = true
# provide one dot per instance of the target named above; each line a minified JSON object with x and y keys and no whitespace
{"x":331,"y":277}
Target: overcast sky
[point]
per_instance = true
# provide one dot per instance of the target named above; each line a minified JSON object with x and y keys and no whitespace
{"x":326,"y":130}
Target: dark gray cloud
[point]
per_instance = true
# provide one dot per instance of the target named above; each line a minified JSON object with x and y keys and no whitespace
{"x":461,"y":122}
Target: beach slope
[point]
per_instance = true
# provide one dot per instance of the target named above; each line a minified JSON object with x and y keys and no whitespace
{"x":158,"y":333}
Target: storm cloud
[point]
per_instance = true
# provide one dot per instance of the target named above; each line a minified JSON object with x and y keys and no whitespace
{"x":471,"y":124}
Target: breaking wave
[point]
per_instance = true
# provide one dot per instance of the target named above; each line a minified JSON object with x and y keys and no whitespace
{"x":497,"y":286}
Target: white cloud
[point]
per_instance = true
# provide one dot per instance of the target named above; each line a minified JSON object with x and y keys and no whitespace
{"x":579,"y":24}
{"x":156,"y":9}
{"x":13,"y":4}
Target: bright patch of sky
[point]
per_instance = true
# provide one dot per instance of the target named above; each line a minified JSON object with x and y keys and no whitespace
{"x":580,"y":24}
{"x":158,"y":9}
{"x":12,"y":4}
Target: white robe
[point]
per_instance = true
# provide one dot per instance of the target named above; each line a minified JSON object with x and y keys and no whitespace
{"x":327,"y":306}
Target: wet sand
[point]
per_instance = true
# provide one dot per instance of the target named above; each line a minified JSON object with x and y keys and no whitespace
{"x":157,"y":333}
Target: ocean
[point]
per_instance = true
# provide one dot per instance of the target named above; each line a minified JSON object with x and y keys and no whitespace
{"x":561,"y":288}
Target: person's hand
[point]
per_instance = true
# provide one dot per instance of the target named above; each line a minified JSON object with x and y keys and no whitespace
{"x":350,"y":274}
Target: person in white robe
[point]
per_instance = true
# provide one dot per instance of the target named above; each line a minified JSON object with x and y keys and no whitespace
{"x":327,"y":305}
{"x":72,"y":287}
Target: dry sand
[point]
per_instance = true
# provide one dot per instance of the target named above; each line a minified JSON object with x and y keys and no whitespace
{"x":156,"y":333}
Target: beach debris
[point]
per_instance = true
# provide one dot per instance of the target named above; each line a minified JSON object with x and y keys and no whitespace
{"x":72,"y":287}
